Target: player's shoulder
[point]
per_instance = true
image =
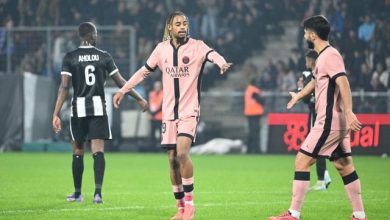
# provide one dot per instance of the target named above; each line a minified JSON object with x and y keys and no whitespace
{"x":196,"y":41}
{"x":163,"y":44}
{"x":103,"y":53}
{"x":333,"y":52}
{"x":332,"y":56}
{"x":88,"y":49}
{"x":71,"y":53}
{"x":329,"y":54}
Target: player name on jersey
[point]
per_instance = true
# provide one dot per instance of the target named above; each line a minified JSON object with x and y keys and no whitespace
{"x":87,"y":58}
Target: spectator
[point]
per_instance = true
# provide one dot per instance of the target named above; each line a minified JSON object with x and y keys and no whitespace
{"x":253,"y":110}
{"x":366,"y":30}
{"x":378,"y":104}
{"x":365,"y":77}
{"x":381,"y":75}
{"x":286,"y":78}
{"x":268,"y":76}
{"x":155,"y":106}
{"x":209,"y":27}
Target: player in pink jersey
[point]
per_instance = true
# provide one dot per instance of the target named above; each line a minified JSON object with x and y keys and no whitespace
{"x":329,"y":136}
{"x":181,"y":60}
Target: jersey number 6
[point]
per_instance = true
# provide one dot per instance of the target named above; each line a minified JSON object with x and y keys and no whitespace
{"x":89,"y":76}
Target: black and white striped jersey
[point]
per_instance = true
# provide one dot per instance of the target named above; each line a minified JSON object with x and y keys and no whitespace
{"x":88,"y":66}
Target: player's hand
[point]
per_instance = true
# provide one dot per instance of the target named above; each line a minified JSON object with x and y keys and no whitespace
{"x":56,"y":124}
{"x":294,"y":100}
{"x":225,"y":67}
{"x":300,"y":83}
{"x":353,"y":122}
{"x":144,"y":104}
{"x":117,"y":99}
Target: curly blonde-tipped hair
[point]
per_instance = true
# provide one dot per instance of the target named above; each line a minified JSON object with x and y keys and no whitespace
{"x":167,"y":34}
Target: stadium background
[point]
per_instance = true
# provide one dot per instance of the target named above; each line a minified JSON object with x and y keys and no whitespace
{"x":263,"y":38}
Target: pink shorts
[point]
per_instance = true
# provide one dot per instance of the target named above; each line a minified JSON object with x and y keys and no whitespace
{"x":331,"y":144}
{"x":170,"y":130}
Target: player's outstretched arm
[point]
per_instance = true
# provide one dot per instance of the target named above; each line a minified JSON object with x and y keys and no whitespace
{"x":137,"y":78}
{"x":63,"y":92}
{"x":217,"y":59}
{"x":120,"y":82}
{"x":345,"y":92}
{"x":296,"y":97}
{"x":225,"y":67}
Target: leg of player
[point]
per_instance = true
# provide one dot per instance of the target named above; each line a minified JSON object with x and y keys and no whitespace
{"x":99,"y":164}
{"x":322,"y":181}
{"x":77,"y":171}
{"x":300,"y":186}
{"x":351,"y":181}
{"x":327,"y":178}
{"x":177,"y":186}
{"x":186,"y":171}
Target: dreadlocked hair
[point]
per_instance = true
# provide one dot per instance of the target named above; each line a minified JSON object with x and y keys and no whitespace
{"x":167,"y":34}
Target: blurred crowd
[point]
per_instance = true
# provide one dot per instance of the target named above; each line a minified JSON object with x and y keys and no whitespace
{"x":237,"y":29}
{"x":360,"y":30}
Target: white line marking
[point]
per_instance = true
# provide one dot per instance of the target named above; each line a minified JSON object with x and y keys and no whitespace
{"x":227,"y":203}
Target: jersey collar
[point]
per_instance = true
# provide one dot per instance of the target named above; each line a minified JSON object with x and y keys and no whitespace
{"x":327,"y":46}
{"x":187,"y":39}
{"x":86,"y":47}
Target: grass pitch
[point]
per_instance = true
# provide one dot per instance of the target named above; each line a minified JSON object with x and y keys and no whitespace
{"x":137,"y":186}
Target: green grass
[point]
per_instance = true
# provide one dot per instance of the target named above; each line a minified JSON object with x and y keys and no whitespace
{"x":137,"y":186}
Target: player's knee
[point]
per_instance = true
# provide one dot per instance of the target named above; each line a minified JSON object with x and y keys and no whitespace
{"x":79,"y":152}
{"x":173,"y":161}
{"x":339,"y":167}
{"x":302,"y":165}
{"x":343,"y":165}
{"x":182,"y":156}
{"x":303,"y":162}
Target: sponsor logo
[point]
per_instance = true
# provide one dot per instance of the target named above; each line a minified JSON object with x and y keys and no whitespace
{"x":371,"y":139}
{"x":177,"y":72}
{"x":295,"y":134}
{"x":368,"y":136}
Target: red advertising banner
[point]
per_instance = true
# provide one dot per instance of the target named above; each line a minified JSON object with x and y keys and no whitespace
{"x":287,"y":131}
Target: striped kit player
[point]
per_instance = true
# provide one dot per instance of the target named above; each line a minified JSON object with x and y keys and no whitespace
{"x":86,"y":68}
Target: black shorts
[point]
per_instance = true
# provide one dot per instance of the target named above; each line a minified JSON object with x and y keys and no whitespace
{"x":91,"y":127}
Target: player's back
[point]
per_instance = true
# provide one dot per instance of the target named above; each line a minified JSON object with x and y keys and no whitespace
{"x":88,"y":67}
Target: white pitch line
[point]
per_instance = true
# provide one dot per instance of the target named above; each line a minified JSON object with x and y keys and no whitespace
{"x":227,"y":203}
{"x":287,"y":191}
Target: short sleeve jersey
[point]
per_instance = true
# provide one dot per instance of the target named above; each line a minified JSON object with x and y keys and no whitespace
{"x":329,"y":106}
{"x":182,"y":70}
{"x":88,"y":67}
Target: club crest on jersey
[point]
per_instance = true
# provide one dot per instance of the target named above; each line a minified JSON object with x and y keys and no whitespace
{"x":177,"y":72}
{"x":186,"y":60}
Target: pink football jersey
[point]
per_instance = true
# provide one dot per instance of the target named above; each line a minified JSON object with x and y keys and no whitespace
{"x":182,"y":70}
{"x":329,"y":106}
